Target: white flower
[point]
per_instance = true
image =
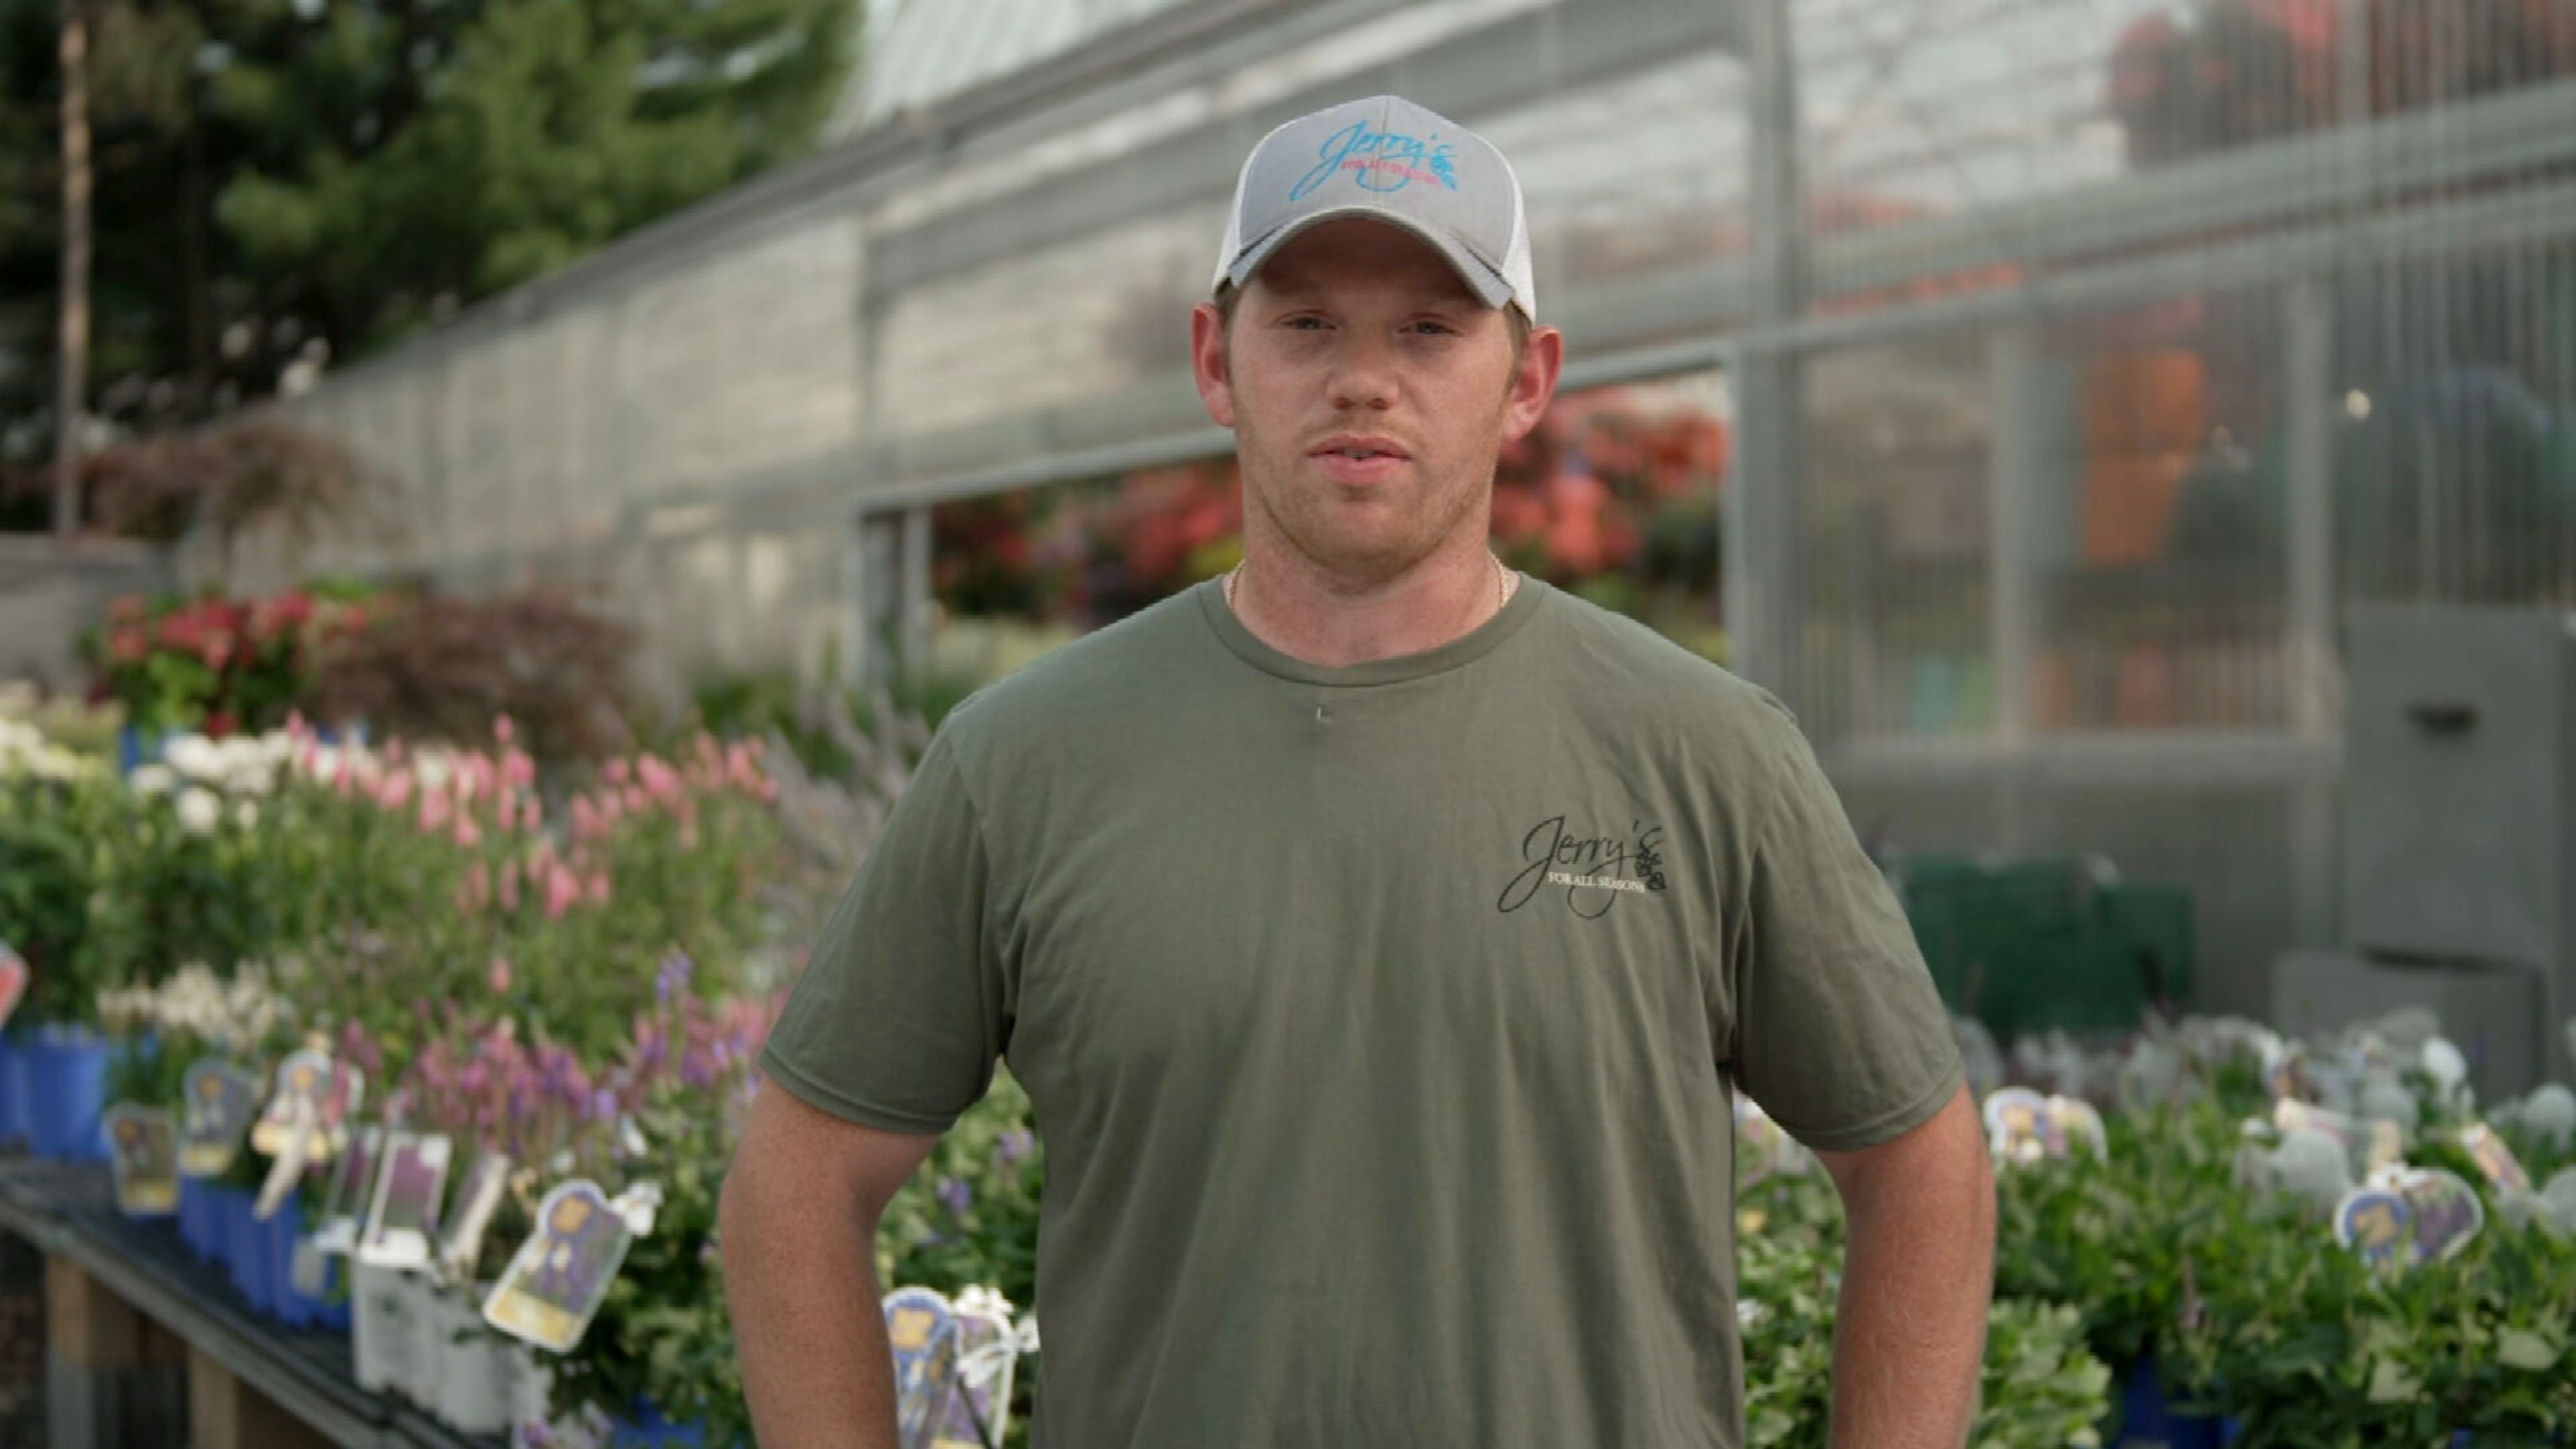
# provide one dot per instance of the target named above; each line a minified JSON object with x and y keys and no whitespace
{"x":199,"y":810}
{"x":153,"y":780}
{"x":247,"y":812}
{"x":195,"y":756}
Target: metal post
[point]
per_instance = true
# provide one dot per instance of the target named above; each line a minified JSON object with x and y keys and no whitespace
{"x":858,"y":626}
{"x":1764,"y":577}
{"x":2013,"y":599}
{"x":914,"y":602}
{"x":2308,"y":652}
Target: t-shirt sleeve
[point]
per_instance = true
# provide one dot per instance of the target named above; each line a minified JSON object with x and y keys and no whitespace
{"x":904,"y":1008}
{"x":1840,"y":1034}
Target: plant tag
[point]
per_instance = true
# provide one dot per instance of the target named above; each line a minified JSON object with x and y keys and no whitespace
{"x":639,"y":1204}
{"x":143,"y":1148}
{"x":13,"y":981}
{"x":477,"y":1198}
{"x":921,"y":1327}
{"x":2078,"y":1125}
{"x":2023,"y":1126}
{"x":319,"y":1094}
{"x":353,"y":1189}
{"x":976,"y":1412}
{"x":2410,"y":1216}
{"x":403,"y":1220}
{"x":561,"y":1274}
{"x":297,"y":1138}
{"x":2494,"y":1157}
{"x":2017,"y":1124}
{"x":221,"y":1099}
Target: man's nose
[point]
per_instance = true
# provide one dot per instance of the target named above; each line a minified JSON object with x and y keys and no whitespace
{"x":1364,"y":375}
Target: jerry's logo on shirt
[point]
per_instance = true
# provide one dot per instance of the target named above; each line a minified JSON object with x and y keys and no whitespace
{"x":1594,"y":870}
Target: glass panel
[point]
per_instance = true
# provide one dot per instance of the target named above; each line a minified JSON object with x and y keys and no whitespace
{"x":1897,"y":459}
{"x":2158,"y":526}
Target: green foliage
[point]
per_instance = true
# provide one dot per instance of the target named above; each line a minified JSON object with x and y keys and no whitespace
{"x":272,"y":175}
{"x":537,"y":130}
{"x":2042,"y":1387}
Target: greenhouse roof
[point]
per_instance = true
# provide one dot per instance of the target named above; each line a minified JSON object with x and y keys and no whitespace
{"x":919,"y":52}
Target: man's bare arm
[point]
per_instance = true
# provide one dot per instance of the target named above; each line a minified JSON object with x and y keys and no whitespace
{"x":1910,"y":1335}
{"x":798,"y":1224}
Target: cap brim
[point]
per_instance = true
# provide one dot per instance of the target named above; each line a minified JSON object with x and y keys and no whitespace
{"x":1488,"y":284}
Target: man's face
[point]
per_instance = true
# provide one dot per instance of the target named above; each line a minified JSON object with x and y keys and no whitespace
{"x":1370,"y":392}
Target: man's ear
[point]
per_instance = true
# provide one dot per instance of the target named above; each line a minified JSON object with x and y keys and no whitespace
{"x":1207,"y":363}
{"x":1533,"y":383}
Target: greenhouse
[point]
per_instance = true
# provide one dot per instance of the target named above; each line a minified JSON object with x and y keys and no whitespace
{"x":2079,"y":362}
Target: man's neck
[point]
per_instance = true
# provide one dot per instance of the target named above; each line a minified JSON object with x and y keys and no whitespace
{"x":1295,"y":609}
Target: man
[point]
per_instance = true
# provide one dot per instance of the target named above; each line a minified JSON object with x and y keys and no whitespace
{"x":1378,"y":935}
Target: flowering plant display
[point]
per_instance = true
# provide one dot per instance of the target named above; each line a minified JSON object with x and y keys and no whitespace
{"x":217,"y":664}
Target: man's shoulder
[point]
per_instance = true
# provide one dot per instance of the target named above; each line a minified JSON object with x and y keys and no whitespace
{"x":1659,"y":676}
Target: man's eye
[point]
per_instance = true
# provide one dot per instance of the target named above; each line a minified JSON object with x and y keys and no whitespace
{"x":1304,"y":324}
{"x":1436,"y":329}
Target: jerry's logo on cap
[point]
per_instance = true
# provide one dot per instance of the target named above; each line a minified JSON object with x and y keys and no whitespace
{"x":1385,"y":160}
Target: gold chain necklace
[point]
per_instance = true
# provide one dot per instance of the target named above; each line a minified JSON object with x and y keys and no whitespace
{"x":1502,"y":583}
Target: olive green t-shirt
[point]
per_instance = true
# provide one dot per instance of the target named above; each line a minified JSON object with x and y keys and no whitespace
{"x":1379,"y":1021}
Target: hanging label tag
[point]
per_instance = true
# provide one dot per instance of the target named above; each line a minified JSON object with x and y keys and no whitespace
{"x":977,"y":1410}
{"x":403,"y":1221}
{"x":297,"y":1138}
{"x":353,"y":1192}
{"x":143,"y":1150}
{"x":477,"y":1198}
{"x":220,"y":1100}
{"x":2408,"y":1216}
{"x":2494,"y":1158}
{"x":561,"y":1274}
{"x":639,"y":1204}
{"x":921,"y":1328}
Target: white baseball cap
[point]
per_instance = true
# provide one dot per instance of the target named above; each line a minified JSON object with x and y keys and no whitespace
{"x":1394,"y":161}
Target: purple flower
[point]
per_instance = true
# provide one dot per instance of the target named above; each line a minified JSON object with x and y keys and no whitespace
{"x":673,"y":978}
{"x":1016,"y":1144}
{"x":603,"y":1106}
{"x":956,"y":1194}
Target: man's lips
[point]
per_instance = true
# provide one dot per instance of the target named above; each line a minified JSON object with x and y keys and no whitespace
{"x":1360,"y":459}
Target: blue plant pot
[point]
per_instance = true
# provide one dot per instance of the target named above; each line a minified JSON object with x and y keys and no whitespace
{"x":68,"y":1081}
{"x":192,"y":1212}
{"x":249,"y":1254}
{"x":13,"y":1089}
{"x":136,"y":748}
{"x":333,"y":1312}
{"x":2147,"y":1414}
{"x":649,"y":1430}
{"x":295,"y":1310}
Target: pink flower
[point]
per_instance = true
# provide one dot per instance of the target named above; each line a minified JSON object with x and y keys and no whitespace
{"x":616,"y":772}
{"x":500,"y":976}
{"x":395,"y":792}
{"x":468,"y":834}
{"x":563,"y":890}
{"x":433,"y":811}
{"x":660,"y":781}
{"x":509,"y":811}
{"x":586,"y":821}
{"x":476,"y":889}
{"x":519,"y":770}
{"x":534,"y":817}
{"x":503,"y":729}
{"x":598,"y":888}
{"x":510,"y":885}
